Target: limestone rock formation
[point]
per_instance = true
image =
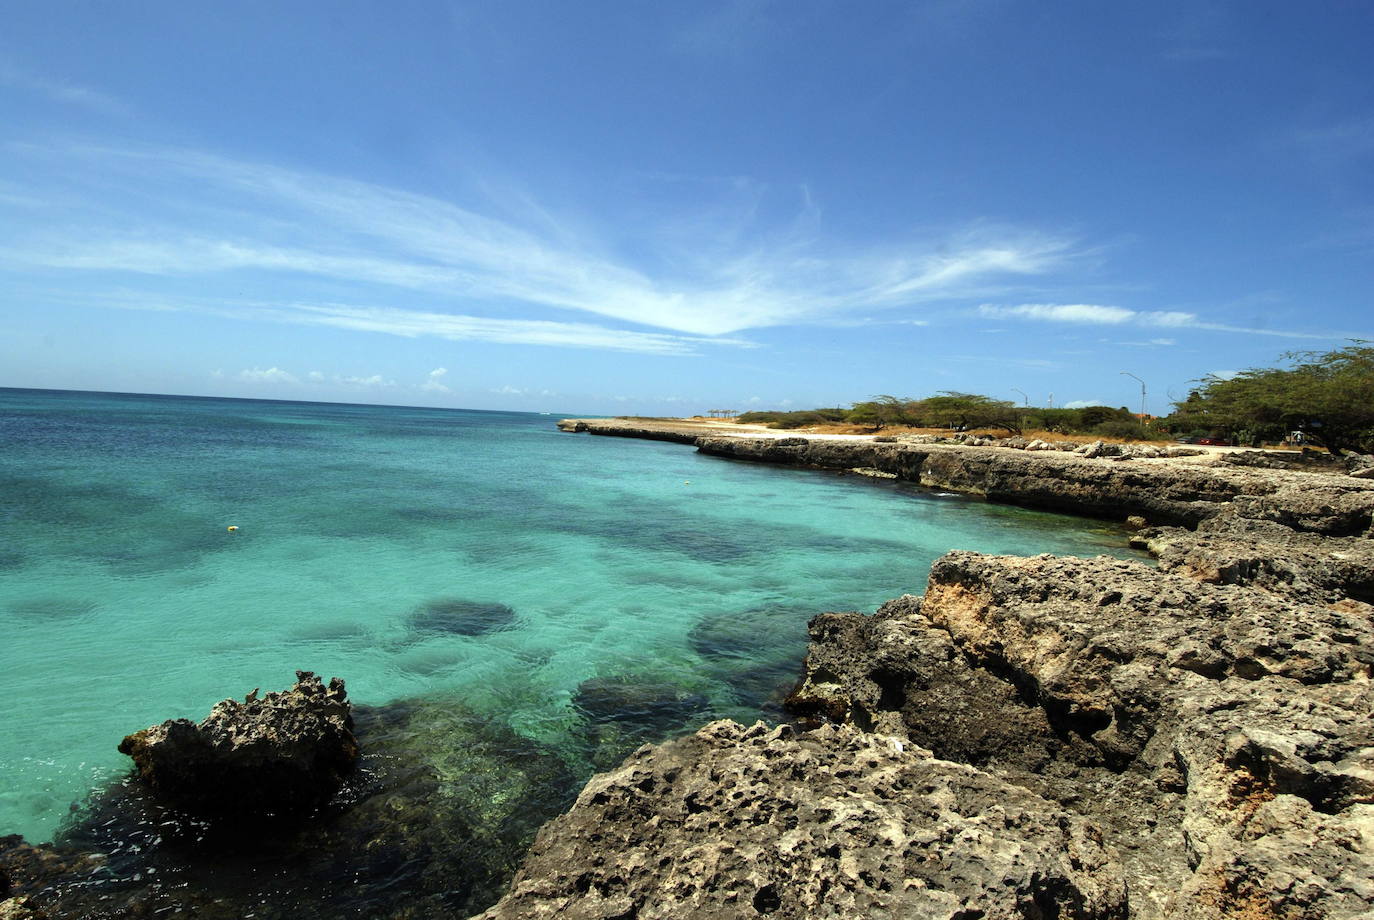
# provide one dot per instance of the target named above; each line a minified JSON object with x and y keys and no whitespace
{"x":431,"y":825}
{"x":743,"y":822}
{"x":1220,"y":736}
{"x":282,"y":755}
{"x":1102,"y":486}
{"x":1230,"y":549}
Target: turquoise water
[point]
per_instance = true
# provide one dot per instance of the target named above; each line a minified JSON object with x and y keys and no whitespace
{"x":416,"y":553}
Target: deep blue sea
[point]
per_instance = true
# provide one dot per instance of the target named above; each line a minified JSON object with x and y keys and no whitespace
{"x":418,"y":553}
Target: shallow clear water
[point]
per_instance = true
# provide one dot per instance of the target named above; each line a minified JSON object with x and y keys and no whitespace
{"x":384,"y":545}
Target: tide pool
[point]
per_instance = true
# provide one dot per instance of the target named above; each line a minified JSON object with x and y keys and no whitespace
{"x":537,"y":576}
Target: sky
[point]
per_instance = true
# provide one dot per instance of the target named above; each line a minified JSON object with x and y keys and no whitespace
{"x":630,"y":208}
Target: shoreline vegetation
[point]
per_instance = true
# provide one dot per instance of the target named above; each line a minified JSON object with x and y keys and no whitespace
{"x":1031,"y":737}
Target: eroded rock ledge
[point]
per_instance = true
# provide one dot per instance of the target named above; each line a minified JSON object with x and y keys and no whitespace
{"x":742,"y":822}
{"x":284,"y":754}
{"x":1151,"y":484}
{"x":1196,"y":739}
{"x":1043,"y":737}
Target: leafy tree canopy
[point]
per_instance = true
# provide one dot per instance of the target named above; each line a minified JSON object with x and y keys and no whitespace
{"x":1329,"y":396}
{"x":950,"y":409}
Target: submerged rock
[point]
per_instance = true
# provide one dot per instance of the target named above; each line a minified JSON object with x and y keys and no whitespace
{"x":283,"y":755}
{"x":754,"y":652}
{"x":623,"y":712}
{"x":742,"y":822}
{"x":462,"y":617}
{"x":431,"y":824}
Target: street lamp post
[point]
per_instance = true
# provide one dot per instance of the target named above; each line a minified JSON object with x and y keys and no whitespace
{"x":1024,"y":398}
{"x":1142,"y":392}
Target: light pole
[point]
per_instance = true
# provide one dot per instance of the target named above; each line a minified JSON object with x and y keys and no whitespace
{"x":1024,"y":398}
{"x":1142,"y":393}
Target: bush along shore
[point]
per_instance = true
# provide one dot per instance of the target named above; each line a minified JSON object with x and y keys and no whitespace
{"x":1032,"y":737}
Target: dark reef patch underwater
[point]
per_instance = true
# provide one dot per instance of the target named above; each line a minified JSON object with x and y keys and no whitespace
{"x":432,"y":824}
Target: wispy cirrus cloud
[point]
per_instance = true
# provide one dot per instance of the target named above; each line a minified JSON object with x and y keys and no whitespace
{"x":1106,"y":315}
{"x":15,"y":76}
{"x":415,"y":323}
{"x":1096,"y":314}
{"x":412,"y":323}
{"x":216,"y":217}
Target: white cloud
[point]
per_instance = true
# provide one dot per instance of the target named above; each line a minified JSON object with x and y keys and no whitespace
{"x":1061,"y":313}
{"x":432,"y":384}
{"x":376,"y":380}
{"x":17,"y":77}
{"x":1082,"y":403}
{"x":414,"y":323}
{"x":276,"y":220}
{"x":1169,"y":318}
{"x":315,"y":376}
{"x":271,"y":375}
{"x":1163,"y":341}
{"x":1099,"y":314}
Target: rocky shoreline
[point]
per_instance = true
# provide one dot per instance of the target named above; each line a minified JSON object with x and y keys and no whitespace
{"x":1031,"y":738}
{"x":1100,"y":738}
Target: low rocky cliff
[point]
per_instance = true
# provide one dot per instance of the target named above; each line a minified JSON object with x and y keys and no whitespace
{"x":1091,"y":482}
{"x":1033,"y":737}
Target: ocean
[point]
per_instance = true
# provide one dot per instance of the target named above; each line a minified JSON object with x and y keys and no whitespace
{"x":540,"y":579}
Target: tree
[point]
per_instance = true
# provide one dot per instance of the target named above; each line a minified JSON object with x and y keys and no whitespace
{"x":951,"y":409}
{"x":881,"y":411}
{"x":1329,"y":396}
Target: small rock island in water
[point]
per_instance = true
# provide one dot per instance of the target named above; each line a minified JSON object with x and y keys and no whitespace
{"x":1031,"y":738}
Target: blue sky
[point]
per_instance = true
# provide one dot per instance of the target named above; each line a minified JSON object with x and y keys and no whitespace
{"x":667,"y":208}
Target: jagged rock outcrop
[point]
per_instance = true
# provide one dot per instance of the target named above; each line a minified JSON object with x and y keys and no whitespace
{"x":834,"y":823}
{"x":285,"y":754}
{"x":1222,"y":737}
{"x":431,"y":825}
{"x":1230,"y":549}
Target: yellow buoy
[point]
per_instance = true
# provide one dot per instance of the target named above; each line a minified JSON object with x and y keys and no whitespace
{"x":233,"y":528}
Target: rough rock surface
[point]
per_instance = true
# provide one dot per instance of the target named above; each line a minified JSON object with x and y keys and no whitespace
{"x":1230,"y":549}
{"x":285,"y":754}
{"x":1212,"y":718}
{"x":1220,"y":736}
{"x":1106,"y":480}
{"x":431,"y":825}
{"x":742,"y":822}
{"x":1162,"y":492}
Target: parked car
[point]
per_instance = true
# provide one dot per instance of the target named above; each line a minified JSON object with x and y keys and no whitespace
{"x":1215,"y":442}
